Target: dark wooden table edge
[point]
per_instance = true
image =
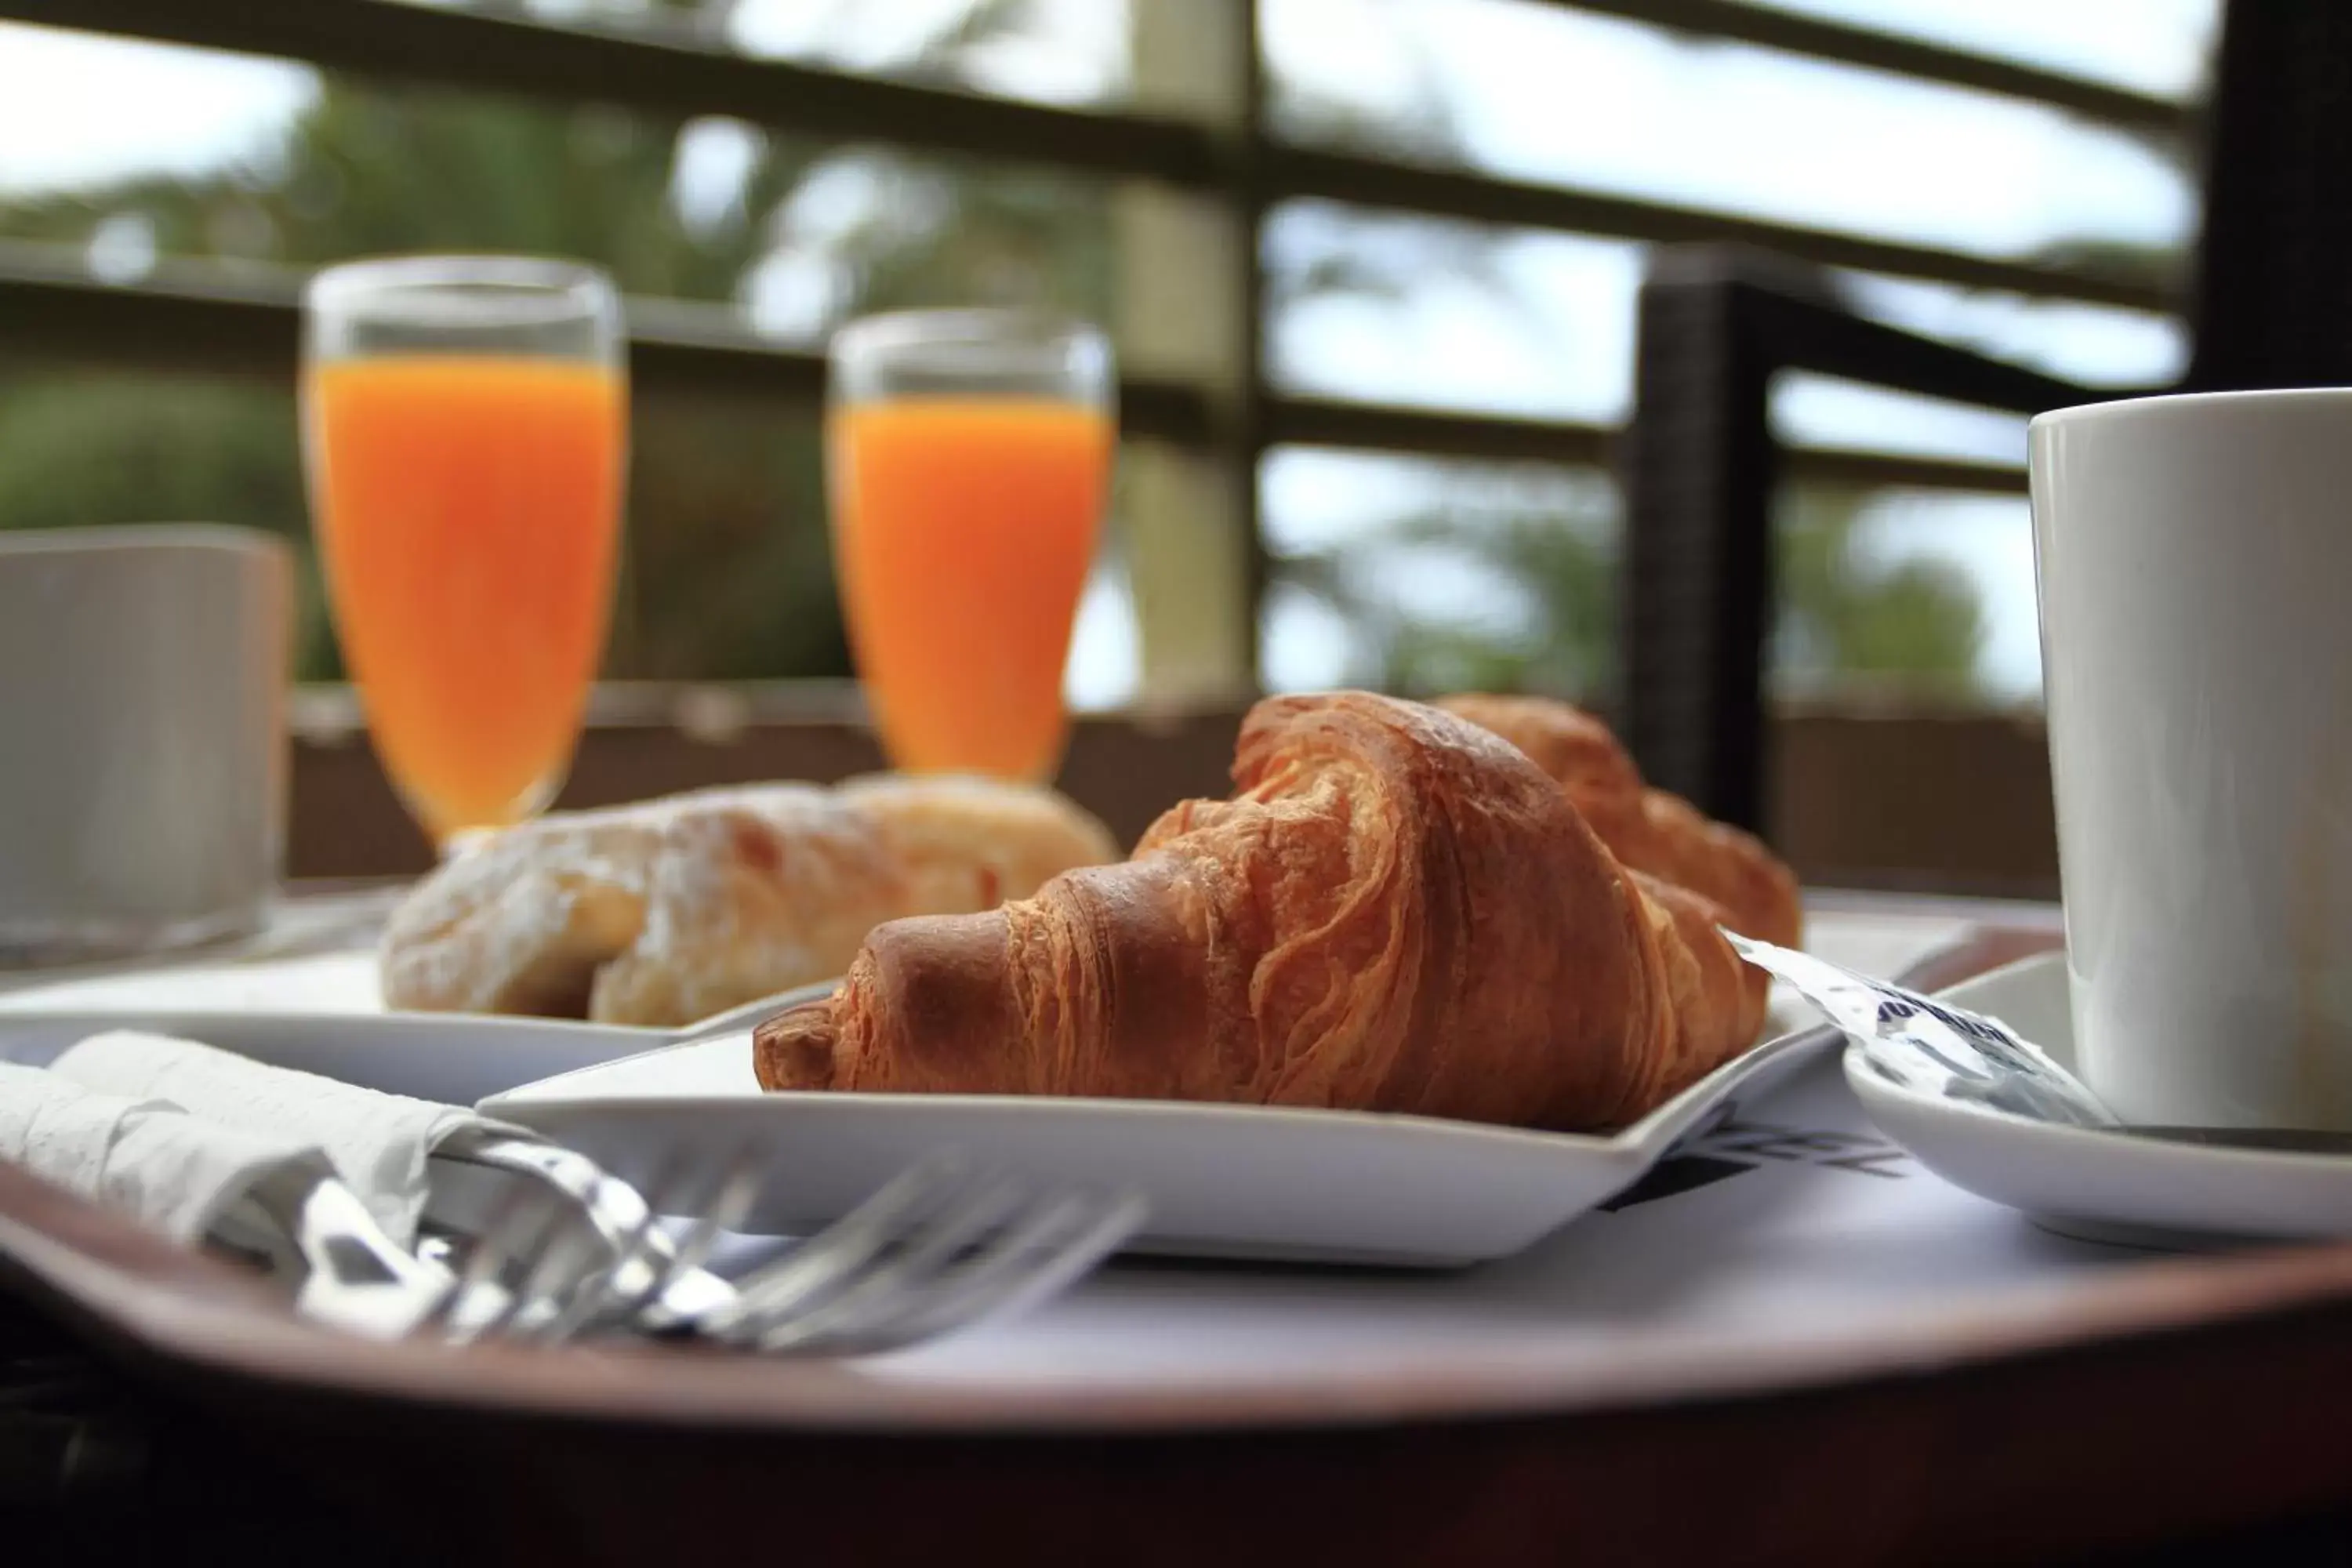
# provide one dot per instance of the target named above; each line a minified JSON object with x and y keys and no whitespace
{"x":2222,"y":1410}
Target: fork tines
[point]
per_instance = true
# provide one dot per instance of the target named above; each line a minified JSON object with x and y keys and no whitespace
{"x":940,"y":1249}
{"x":943,"y":1247}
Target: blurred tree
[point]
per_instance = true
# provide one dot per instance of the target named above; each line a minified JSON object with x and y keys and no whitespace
{"x":1848,"y":616}
{"x":107,"y":448}
{"x":1537,"y":586}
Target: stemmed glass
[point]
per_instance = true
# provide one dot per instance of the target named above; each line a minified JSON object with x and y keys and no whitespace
{"x":464,"y":422}
{"x":967,"y":455}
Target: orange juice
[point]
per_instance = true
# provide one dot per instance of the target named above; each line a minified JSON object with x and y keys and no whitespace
{"x":964,"y":530}
{"x":467,"y":511}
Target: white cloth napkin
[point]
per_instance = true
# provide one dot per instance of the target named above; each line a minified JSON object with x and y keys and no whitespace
{"x":378,"y":1143}
{"x":142,"y":1155}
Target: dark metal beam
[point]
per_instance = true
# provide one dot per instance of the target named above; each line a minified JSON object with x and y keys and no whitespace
{"x":1735,"y":21}
{"x":671,"y":71}
{"x":1376,"y":183}
{"x":1324,"y":422}
{"x":1825,"y":337}
{"x":1886,"y":471}
{"x":213,"y":318}
{"x":1696,"y":594}
{"x":649,"y":66}
{"x":1373,"y":427}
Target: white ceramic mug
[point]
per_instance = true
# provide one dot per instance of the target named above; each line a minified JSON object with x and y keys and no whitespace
{"x":2194,"y":561}
{"x":142,"y":736}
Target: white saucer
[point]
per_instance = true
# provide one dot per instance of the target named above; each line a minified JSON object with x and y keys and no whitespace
{"x":2105,"y":1186}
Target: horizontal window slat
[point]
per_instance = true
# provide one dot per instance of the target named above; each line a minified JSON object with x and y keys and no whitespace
{"x":1871,"y":471}
{"x":194,"y":316}
{"x":1729,"y":20}
{"x":1327,"y":422}
{"x":647,"y":65}
{"x":677,"y":72}
{"x":246,"y":319}
{"x":1302,"y":171}
{"x":1322,"y":422}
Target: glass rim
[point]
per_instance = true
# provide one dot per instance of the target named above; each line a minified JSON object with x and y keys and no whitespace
{"x":460,"y":287}
{"x":1015,"y":328}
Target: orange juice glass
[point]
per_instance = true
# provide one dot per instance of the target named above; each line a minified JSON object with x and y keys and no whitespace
{"x":967,"y":455}
{"x":464,"y":422}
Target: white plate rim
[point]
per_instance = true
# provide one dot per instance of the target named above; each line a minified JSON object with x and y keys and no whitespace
{"x":428,"y":1025}
{"x":400,"y":1020}
{"x":1655,"y":1130}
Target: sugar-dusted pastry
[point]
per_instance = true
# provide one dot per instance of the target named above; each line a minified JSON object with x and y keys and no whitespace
{"x":749,"y":893}
{"x":671,"y":909}
{"x":1396,"y":911}
{"x":1648,"y":829}
{"x":971,"y":843}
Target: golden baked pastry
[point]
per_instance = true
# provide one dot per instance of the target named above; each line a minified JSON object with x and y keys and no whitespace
{"x":1395,"y":911}
{"x":1648,"y":829}
{"x":971,"y":843}
{"x":669,"y":910}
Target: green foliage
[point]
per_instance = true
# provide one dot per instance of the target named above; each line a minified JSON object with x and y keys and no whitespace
{"x":141,"y":444}
{"x":1913,"y":625}
{"x":1546,"y":620}
{"x":1542,"y":611}
{"x":93,"y":448}
{"x":730,"y":570}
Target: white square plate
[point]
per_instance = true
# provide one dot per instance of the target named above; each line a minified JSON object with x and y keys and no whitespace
{"x":1237,"y":1181}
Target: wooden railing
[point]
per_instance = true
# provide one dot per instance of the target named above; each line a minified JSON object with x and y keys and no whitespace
{"x":1895,"y":798}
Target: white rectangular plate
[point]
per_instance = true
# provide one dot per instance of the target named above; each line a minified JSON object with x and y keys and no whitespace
{"x":1224,"y":1180}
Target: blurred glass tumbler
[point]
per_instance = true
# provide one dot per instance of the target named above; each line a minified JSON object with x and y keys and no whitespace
{"x":143,"y":737}
{"x":2193,"y":556}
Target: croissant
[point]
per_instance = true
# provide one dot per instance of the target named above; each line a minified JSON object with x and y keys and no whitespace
{"x":1648,"y":829}
{"x":1395,"y":911}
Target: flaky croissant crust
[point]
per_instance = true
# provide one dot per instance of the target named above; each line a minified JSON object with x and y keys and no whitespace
{"x":1651,"y":830}
{"x":1395,"y":911}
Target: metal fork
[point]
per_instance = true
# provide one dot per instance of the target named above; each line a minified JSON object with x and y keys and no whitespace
{"x":544,"y":1269}
{"x":942,"y":1248}
{"x":939,"y":1249}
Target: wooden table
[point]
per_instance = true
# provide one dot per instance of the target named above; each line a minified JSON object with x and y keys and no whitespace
{"x":154,"y":1395}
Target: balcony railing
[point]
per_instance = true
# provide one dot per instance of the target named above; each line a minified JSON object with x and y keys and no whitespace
{"x":192,"y":314}
{"x":1217,"y":155}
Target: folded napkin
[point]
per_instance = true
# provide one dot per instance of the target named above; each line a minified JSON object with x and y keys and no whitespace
{"x":141,"y":1155}
{"x":379,"y":1143}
